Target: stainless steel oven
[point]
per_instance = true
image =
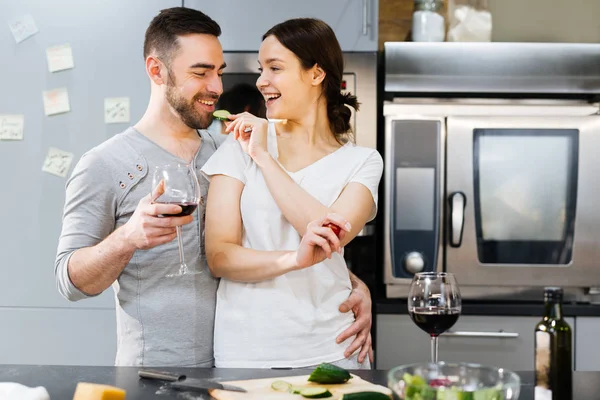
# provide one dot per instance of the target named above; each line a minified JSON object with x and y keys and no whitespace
{"x":360,"y":78}
{"x":495,"y":179}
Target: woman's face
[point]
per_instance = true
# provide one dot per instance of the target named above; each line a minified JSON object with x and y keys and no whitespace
{"x":288,"y":89}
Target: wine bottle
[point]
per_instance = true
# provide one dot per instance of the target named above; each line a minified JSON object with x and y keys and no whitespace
{"x":553,"y":354}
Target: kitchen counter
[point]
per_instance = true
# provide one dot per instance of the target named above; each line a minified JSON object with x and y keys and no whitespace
{"x":473,"y":307}
{"x":60,"y":381}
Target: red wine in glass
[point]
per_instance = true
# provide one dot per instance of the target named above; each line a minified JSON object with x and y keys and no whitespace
{"x":434,"y":322}
{"x":180,"y":188}
{"x":187,"y":208}
{"x":434,"y":304}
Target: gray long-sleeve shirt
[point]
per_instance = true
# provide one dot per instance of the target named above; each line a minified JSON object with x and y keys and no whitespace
{"x":160,"y":321}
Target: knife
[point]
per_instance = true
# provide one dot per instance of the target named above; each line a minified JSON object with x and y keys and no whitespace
{"x":179,"y":381}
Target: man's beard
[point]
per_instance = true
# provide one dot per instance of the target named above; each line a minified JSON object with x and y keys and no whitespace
{"x":186,"y":109}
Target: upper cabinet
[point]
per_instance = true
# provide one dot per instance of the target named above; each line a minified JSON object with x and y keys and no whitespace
{"x":244,"y":22}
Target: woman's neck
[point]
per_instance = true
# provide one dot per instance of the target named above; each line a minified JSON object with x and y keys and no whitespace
{"x":310,"y":130}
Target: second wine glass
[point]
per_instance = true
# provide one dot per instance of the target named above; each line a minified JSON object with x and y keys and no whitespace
{"x":434,"y":304}
{"x":180,"y":188}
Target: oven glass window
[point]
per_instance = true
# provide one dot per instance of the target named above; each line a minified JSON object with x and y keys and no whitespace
{"x":525,"y":195}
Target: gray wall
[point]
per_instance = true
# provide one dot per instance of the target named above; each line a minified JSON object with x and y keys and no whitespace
{"x":37,"y":325}
{"x":545,"y":20}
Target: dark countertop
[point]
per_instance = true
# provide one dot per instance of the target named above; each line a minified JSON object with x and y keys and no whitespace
{"x":60,"y":381}
{"x":474,"y":307}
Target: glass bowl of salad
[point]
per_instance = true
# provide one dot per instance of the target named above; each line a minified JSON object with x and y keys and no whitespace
{"x":453,"y":381}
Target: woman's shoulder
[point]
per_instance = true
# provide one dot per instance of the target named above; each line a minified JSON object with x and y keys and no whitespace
{"x":362,"y":153}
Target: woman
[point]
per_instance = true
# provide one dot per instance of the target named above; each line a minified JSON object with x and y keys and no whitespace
{"x":274,"y":188}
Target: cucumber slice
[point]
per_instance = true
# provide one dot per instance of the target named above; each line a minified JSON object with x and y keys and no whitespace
{"x":296,"y":389}
{"x":281,"y":386}
{"x":222,"y":115}
{"x":314,"y":392}
{"x":329,"y":374}
{"x":366,"y":396}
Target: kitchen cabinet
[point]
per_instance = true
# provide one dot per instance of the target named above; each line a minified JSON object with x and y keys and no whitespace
{"x":494,"y":340}
{"x":587,"y":355}
{"x":244,"y":22}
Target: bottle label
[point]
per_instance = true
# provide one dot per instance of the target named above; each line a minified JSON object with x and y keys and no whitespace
{"x":543,"y":390}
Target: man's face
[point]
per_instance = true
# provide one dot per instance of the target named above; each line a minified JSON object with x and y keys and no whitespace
{"x":194,"y":83}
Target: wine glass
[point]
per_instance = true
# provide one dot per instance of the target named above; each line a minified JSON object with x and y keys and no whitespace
{"x":181,"y":188}
{"x":434,"y":304}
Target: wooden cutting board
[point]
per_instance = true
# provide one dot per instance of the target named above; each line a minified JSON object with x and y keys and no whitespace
{"x":260,"y":389}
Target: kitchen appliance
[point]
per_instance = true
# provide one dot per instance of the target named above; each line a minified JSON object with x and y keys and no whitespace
{"x":491,"y":167}
{"x":360,"y":78}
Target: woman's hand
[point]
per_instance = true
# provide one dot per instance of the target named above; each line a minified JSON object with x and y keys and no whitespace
{"x":251,"y":132}
{"x":319,"y":242}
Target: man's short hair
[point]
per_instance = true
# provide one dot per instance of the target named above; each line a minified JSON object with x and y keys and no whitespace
{"x":162,"y":34}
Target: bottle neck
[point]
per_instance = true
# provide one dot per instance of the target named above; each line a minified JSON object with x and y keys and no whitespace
{"x":553,"y":310}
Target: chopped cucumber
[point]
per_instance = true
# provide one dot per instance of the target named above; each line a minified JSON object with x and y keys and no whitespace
{"x":328,"y":374}
{"x":314,"y":392}
{"x":366,"y":396}
{"x":222,"y":115}
{"x":296,"y":389}
{"x":281,"y":386}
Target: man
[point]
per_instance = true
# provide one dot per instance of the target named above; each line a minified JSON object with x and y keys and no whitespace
{"x":112,"y":234}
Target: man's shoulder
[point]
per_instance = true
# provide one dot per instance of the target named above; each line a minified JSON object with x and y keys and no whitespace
{"x":116,"y":160}
{"x":115,"y":148}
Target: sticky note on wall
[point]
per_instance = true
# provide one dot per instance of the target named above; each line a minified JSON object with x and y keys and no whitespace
{"x":60,"y":58}
{"x":57,"y":162}
{"x":22,"y":27}
{"x":116,"y":110}
{"x":11,"y":127}
{"x":56,"y":101}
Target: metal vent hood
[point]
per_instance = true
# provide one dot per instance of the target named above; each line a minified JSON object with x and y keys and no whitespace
{"x":555,"y":69}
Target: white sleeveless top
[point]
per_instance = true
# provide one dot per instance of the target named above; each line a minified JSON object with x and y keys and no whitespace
{"x":293,"y":319}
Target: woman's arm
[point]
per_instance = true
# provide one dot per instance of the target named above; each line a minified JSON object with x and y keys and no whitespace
{"x":225,"y":255}
{"x":355,"y":203}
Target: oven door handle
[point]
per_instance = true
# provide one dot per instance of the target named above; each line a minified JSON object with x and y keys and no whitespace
{"x":458,"y":202}
{"x":500,"y":334}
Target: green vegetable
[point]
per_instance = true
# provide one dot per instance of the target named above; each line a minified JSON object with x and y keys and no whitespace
{"x":366,"y":396}
{"x":488,"y":394}
{"x":453,"y":394}
{"x":222,"y":115}
{"x":296,"y":389}
{"x":328,"y":374}
{"x":417,"y":389}
{"x":281,"y":386}
{"x":314,"y":392}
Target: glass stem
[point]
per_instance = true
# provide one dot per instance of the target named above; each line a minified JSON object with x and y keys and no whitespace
{"x":434,"y":349}
{"x":181,"y":259}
